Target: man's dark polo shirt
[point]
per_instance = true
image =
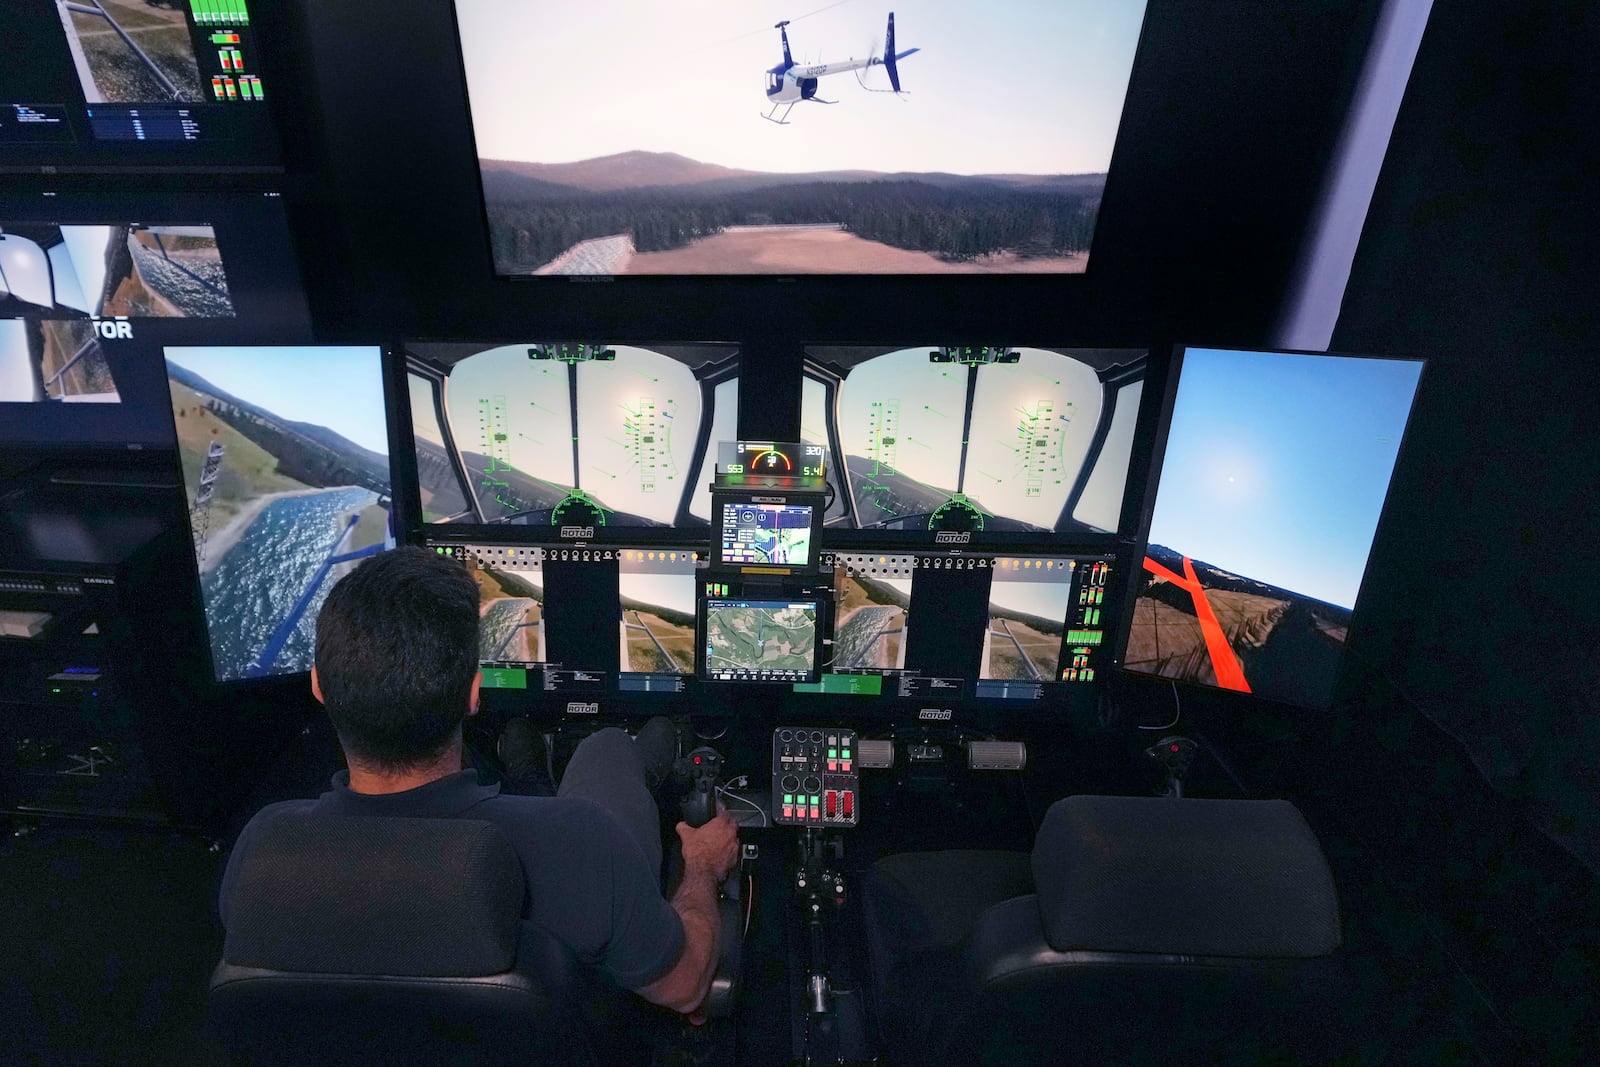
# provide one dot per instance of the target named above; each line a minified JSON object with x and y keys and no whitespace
{"x":589,"y":883}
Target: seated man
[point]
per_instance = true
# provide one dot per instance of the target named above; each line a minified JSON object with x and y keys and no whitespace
{"x":397,"y":669}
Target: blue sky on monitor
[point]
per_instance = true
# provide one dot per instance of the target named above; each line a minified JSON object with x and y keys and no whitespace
{"x":1276,"y":465}
{"x":1015,"y":86}
{"x":337,"y":387}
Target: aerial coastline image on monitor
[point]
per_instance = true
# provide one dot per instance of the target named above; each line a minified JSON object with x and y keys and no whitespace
{"x":569,"y":434}
{"x":1262,"y":524}
{"x":771,"y":138}
{"x":286,"y":466}
{"x":510,"y":610}
{"x":979,"y":438}
{"x":656,"y":589}
{"x":871,"y":608}
{"x":44,"y":361}
{"x":130,"y":52}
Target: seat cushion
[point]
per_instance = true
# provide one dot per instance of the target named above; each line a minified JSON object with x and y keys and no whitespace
{"x":1232,"y":878}
{"x":356,"y":895}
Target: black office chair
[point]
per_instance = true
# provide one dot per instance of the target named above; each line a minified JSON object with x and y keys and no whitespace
{"x":375,"y":941}
{"x":1140,"y":930}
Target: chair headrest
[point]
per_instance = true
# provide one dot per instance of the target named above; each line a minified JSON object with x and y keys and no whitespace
{"x":359,"y":895}
{"x":1241,"y":878}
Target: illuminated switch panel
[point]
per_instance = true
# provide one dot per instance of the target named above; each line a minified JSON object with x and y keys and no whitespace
{"x":815,"y":777}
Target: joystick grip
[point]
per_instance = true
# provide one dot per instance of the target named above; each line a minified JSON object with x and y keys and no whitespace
{"x":700,"y":804}
{"x":702,"y":767}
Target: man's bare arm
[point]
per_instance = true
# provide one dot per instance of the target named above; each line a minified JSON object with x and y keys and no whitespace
{"x":709,"y":853}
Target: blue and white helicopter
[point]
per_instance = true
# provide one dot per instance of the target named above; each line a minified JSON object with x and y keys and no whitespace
{"x":789,"y":83}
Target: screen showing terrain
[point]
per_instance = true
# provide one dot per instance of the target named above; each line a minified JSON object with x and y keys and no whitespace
{"x":570,"y":435}
{"x":658,"y":139}
{"x":1028,"y":604}
{"x":656,"y":588}
{"x":119,"y":271}
{"x":766,"y":533}
{"x":989,"y":438}
{"x":760,"y":640}
{"x":1275,"y":475}
{"x":872,"y":604}
{"x":285,"y":457}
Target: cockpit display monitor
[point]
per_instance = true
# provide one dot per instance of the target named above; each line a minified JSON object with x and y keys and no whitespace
{"x":759,"y":640}
{"x":285,"y":457}
{"x":1276,"y":469}
{"x":758,"y":534}
{"x":974,"y":440}
{"x":571,"y":436}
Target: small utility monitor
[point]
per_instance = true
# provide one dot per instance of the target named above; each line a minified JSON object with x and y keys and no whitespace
{"x":285,"y":457}
{"x":777,"y":534}
{"x":747,"y":640}
{"x":1275,"y":472}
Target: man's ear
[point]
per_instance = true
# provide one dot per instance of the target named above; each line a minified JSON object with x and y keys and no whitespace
{"x":472,"y":698}
{"x":316,"y":687}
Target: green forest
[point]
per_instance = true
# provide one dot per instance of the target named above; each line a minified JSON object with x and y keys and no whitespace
{"x":955,"y":224}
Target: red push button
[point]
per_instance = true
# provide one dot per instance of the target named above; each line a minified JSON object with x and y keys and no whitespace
{"x":849,"y":801}
{"x":832,"y":803}
{"x":815,"y":814}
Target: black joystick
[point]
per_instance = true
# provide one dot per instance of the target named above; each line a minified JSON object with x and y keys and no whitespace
{"x":1174,"y":754}
{"x":702,"y":768}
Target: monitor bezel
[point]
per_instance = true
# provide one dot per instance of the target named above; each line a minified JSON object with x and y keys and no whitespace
{"x":722,"y":499}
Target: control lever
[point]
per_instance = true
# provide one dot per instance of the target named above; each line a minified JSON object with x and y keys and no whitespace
{"x":702,"y":768}
{"x":1175,"y":754}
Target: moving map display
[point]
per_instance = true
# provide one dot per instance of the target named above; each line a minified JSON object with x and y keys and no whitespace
{"x":760,"y":640}
{"x":566,"y":434}
{"x":1277,"y":465}
{"x":285,"y":459}
{"x":988,"y":439}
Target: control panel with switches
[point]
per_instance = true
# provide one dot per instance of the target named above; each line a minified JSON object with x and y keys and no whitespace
{"x":816,"y":779}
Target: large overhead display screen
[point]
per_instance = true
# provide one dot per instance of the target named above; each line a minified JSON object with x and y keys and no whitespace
{"x":981,"y":438}
{"x":1276,"y":469}
{"x":626,"y":138}
{"x":569,"y":434}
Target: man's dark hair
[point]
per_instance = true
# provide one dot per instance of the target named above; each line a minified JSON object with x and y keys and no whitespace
{"x":397,"y":648}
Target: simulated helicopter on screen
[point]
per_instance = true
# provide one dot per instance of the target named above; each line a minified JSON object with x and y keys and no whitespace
{"x":789,"y":83}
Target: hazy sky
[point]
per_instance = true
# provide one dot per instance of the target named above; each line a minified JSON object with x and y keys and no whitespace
{"x":340,"y":388}
{"x":1277,"y":465}
{"x":1019,"y":86}
{"x":1027,"y":591}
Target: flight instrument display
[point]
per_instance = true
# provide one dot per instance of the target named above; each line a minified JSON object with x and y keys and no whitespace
{"x":574,"y":435}
{"x":978,"y":438}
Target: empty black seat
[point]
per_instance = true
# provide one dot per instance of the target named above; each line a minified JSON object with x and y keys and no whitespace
{"x":1140,"y":930}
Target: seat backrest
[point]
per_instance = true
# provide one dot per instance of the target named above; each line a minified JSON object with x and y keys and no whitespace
{"x":378,"y":940}
{"x":1162,"y":931}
